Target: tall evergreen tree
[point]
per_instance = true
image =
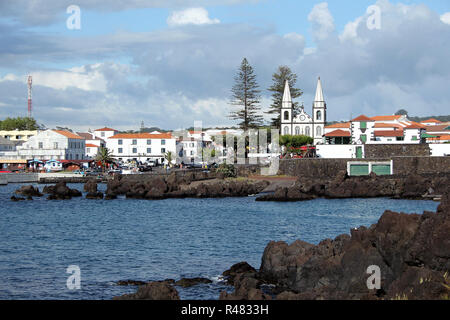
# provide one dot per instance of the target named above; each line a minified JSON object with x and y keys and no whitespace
{"x":245,"y":94}
{"x":279,"y":79}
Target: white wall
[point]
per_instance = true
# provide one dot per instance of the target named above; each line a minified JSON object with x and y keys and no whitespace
{"x":343,"y":151}
{"x":439,"y":149}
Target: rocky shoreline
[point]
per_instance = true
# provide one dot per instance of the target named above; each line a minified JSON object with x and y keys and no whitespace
{"x":412,"y":252}
{"x":413,"y":186}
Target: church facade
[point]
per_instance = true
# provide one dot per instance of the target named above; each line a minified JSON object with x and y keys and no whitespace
{"x":302,"y":123}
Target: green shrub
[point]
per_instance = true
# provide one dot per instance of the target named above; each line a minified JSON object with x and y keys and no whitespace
{"x":228,"y":170}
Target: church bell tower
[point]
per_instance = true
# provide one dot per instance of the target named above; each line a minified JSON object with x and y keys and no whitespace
{"x":319,"y":114}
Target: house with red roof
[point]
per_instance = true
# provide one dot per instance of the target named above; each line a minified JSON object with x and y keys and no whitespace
{"x":141,"y":147}
{"x":53,"y":145}
{"x":105,"y":133}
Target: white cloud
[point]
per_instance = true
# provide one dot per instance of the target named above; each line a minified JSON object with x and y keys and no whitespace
{"x":445,"y":18}
{"x":196,"y":16}
{"x":322,"y":20}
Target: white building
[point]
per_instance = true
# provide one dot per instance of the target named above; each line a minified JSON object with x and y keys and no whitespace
{"x":141,"y":146}
{"x":105,"y":133}
{"x":93,"y":144}
{"x":53,"y":144}
{"x":303,"y":123}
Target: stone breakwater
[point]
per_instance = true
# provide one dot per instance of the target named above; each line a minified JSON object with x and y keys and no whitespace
{"x":192,"y":185}
{"x":411,"y":250}
{"x":342,"y":186}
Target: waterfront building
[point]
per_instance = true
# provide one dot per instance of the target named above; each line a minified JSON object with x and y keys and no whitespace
{"x":18,"y":135}
{"x":192,"y":145}
{"x":141,"y":146}
{"x":303,"y":123}
{"x":53,"y":144}
{"x":93,"y":144}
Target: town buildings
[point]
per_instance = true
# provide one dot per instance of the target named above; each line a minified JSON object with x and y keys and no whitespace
{"x":141,"y":146}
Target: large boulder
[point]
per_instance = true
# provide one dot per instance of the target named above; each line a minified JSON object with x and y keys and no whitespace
{"x":90,"y":186}
{"x":152,"y":291}
{"x":29,"y":191}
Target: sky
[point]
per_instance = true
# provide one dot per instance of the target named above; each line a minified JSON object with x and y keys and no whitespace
{"x":169,"y":63}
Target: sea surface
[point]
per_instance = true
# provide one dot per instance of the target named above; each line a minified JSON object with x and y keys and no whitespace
{"x":156,"y":240}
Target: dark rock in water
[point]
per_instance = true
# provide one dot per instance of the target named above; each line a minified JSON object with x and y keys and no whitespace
{"x":75,"y":193}
{"x":90,"y":186}
{"x":48,"y":189}
{"x":14,"y":198}
{"x":189,"y":282}
{"x":94,"y":195}
{"x":131,"y":283}
{"x":29,"y":198}
{"x":110,"y":196}
{"x":411,"y":250}
{"x":237,"y":269}
{"x":29,"y":191}
{"x":60,"y":191}
{"x":152,"y":291}
{"x":247,"y":287}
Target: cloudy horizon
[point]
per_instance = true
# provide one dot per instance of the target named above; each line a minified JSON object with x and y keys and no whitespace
{"x":170,"y":63}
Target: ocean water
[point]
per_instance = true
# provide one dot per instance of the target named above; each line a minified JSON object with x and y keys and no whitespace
{"x":155,"y":240}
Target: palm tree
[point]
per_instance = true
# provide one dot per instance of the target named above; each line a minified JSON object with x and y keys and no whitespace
{"x":104,"y":156}
{"x":169,"y":157}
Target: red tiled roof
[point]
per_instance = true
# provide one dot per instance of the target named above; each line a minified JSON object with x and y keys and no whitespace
{"x":106,"y":129}
{"x":141,"y":136}
{"x":415,"y":125}
{"x":361,"y":118}
{"x":386,"y":118}
{"x":388,"y":133}
{"x":387,"y":125}
{"x":431,"y":120}
{"x":90,"y":145}
{"x":338,"y":133}
{"x":339,"y":125}
{"x":68,"y":134}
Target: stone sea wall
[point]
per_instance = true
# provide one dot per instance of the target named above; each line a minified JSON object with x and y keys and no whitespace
{"x":375,"y":151}
{"x":329,"y":168}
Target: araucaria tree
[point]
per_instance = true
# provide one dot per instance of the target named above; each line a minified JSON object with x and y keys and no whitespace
{"x":246,"y":96}
{"x":279,"y":80}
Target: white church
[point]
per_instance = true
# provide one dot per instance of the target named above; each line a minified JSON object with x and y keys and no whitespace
{"x":303,"y":123}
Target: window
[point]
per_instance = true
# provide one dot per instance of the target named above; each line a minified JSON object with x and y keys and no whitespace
{"x":120,"y":142}
{"x":134,"y":142}
{"x":149,"y":142}
{"x":76,"y":156}
{"x":102,"y":134}
{"x":149,"y":150}
{"x":88,"y":150}
{"x":163,"y":142}
{"x":308,"y":131}
{"x":163,"y":150}
{"x":363,"y":138}
{"x":363,"y":125}
{"x":192,"y":145}
{"x":192,"y":153}
{"x":40,"y":145}
{"x":134,"y":150}
{"x":400,"y":139}
{"x":297,"y":131}
{"x":286,"y":130}
{"x":318,"y":131}
{"x":120,"y":150}
{"x":286,"y":115}
{"x":55,"y":145}
{"x":414,"y":138}
{"x":319,"y":115}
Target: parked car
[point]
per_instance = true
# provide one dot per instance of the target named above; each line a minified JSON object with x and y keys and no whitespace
{"x":145,"y":168}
